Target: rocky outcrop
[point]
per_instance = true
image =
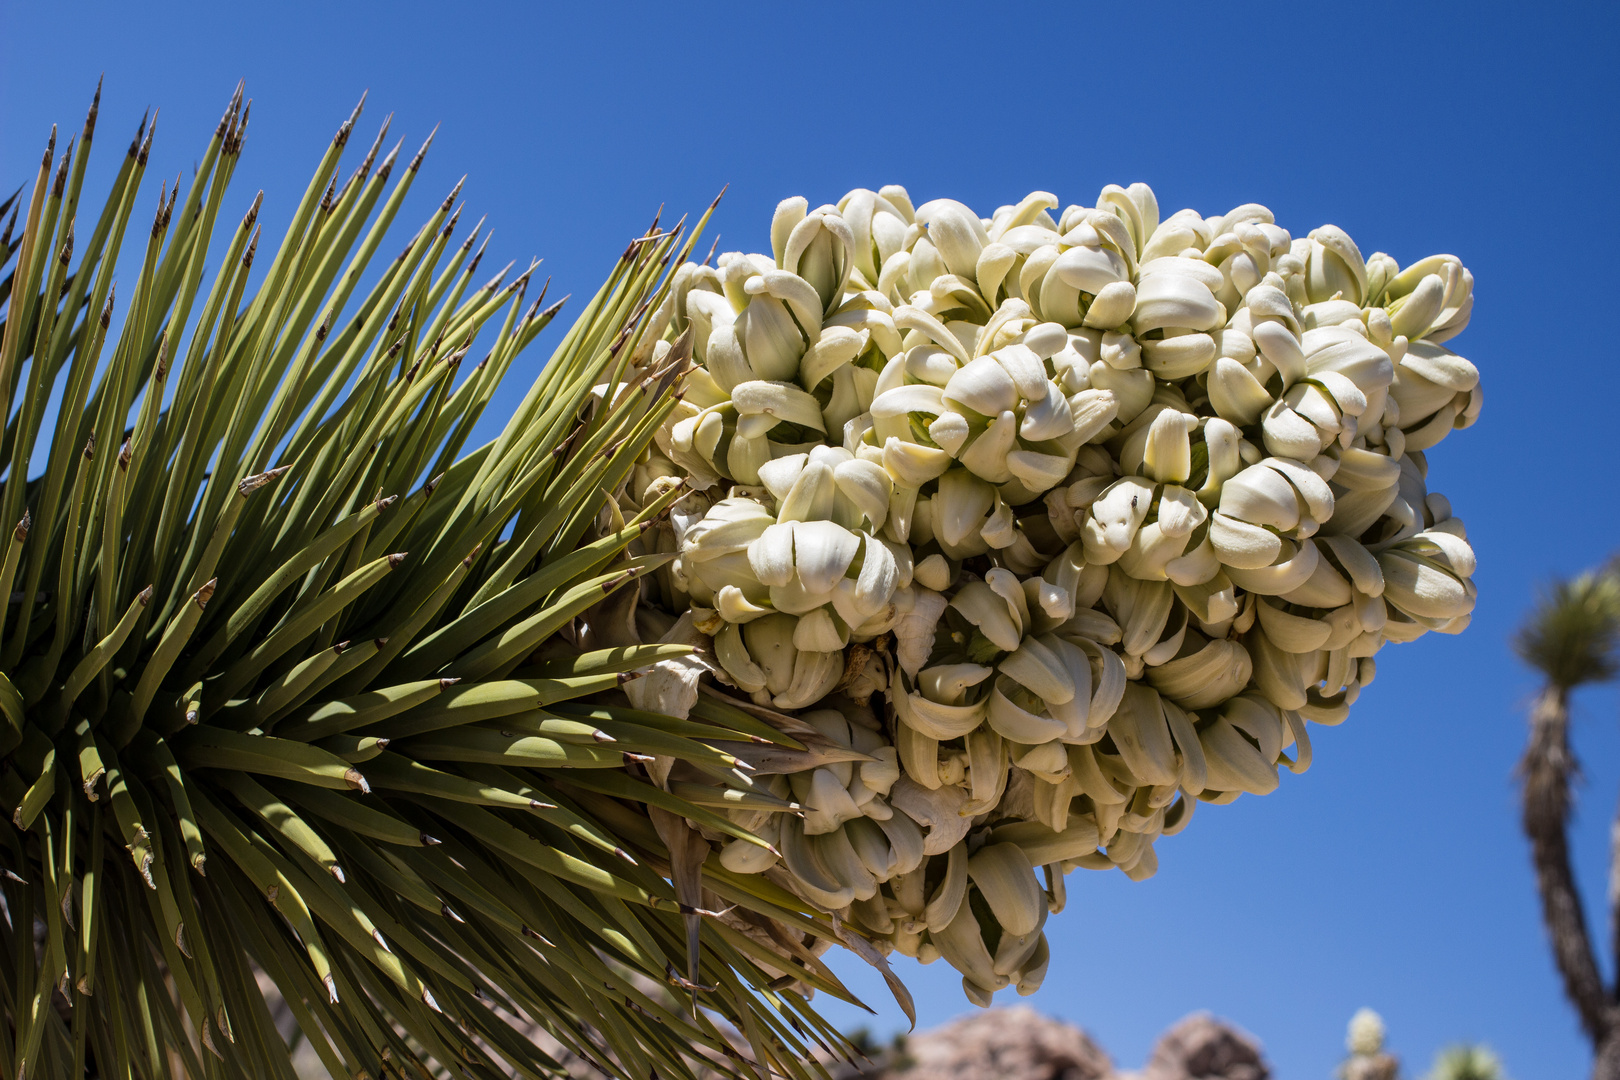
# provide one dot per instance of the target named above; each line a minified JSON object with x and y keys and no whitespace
{"x":1201,"y":1047}
{"x":1005,"y":1044}
{"x":1021,"y":1044}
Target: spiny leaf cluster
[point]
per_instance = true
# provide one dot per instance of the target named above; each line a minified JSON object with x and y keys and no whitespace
{"x":273,"y":711}
{"x":1572,"y":636}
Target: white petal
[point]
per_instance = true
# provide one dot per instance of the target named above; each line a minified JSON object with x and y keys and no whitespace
{"x":934,"y":572}
{"x":1175,"y":300}
{"x":1261,"y":496}
{"x":980,"y":605}
{"x":1180,"y":512}
{"x":1049,"y":417}
{"x":1240,"y":544}
{"x":1025,"y":369}
{"x":911,"y":464}
{"x":830,"y":356}
{"x":779,"y":474}
{"x":1039,"y":670}
{"x":811,"y":496}
{"x":735,"y":607}
{"x":950,"y":431}
{"x":962,"y":504}
{"x":1091,"y":269}
{"x":771,"y":556}
{"x":983,"y":386}
{"x":987,"y":454}
{"x":781,"y":400}
{"x":949,"y":684}
{"x":822,"y":551}
{"x":816,"y":632}
{"x":914,"y":632}
{"x":1167,"y":454}
{"x":865,"y":484}
{"x":878,"y":579}
{"x":1037,"y":472}
{"x":913,"y":397}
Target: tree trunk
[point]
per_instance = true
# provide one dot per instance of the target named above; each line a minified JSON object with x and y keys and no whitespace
{"x":1606,"y":1066}
{"x":1547,"y":767}
{"x":1614,"y":894}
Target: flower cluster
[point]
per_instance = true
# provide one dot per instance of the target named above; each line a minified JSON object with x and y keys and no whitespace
{"x":1058,"y":523}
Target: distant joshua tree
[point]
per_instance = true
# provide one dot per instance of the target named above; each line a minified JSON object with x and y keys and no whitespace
{"x":1467,"y":1063}
{"x":1365,"y":1041}
{"x":1368,"y":1060}
{"x":1573,"y":639}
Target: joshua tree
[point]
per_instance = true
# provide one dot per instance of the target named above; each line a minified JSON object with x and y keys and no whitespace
{"x":1572,"y":639}
{"x":1467,"y":1063}
{"x":302,"y":689}
{"x":1368,"y":1059}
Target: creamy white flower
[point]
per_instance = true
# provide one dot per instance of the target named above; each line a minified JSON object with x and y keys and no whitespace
{"x":1046,"y":481}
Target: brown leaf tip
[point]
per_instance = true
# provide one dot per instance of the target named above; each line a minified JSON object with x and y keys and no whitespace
{"x":140,"y":133}
{"x":146,"y":147}
{"x":95,"y":110}
{"x":387,"y":166}
{"x":416,"y":162}
{"x":61,"y":172}
{"x":253,"y":483}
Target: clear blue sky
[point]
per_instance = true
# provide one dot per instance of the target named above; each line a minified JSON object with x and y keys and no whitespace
{"x":1393,"y":874}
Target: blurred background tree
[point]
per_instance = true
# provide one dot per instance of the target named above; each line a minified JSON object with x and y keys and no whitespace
{"x":1467,"y":1063}
{"x":1572,"y":638}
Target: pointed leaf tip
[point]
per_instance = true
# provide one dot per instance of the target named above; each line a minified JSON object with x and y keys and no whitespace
{"x":416,"y":162}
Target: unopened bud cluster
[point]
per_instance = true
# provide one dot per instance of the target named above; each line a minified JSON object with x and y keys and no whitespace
{"x":1060,"y":522}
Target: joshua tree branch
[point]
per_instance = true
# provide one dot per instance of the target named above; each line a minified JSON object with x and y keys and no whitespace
{"x":1614,"y":897}
{"x":1547,"y":767}
{"x":1606,"y":1063}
